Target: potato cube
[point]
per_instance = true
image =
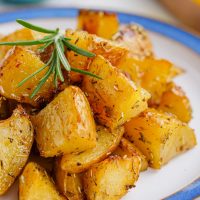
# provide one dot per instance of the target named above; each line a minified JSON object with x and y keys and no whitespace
{"x":111,"y":178}
{"x":69,"y":184}
{"x":151,"y":74}
{"x":35,"y":184}
{"x":16,"y":141}
{"x":19,"y":64}
{"x":127,"y":148}
{"x":160,"y":136}
{"x":136,"y":39}
{"x":107,"y":142}
{"x":115,"y":99}
{"x":175,"y":101}
{"x":65,"y":125}
{"x":110,"y":50}
{"x":103,"y":24}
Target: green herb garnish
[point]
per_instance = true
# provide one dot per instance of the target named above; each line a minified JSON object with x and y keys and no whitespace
{"x":57,"y":59}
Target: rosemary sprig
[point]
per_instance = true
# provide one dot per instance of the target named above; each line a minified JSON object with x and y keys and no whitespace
{"x":57,"y":59}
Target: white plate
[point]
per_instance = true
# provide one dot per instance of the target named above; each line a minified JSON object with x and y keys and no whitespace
{"x":181,"y":171}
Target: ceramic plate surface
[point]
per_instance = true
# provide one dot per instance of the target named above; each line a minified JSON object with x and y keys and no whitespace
{"x":181,"y":48}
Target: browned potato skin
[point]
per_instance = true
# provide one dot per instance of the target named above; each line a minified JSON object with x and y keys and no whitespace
{"x":160,"y":136}
{"x":69,"y":184}
{"x":22,"y":34}
{"x":175,"y":101}
{"x":3,"y":108}
{"x":136,"y":39}
{"x":108,"y":97}
{"x":19,"y":64}
{"x":107,"y":142}
{"x":152,"y":74}
{"x":16,"y":141}
{"x":103,"y":24}
{"x":111,"y":178}
{"x":110,"y":50}
{"x":65,"y":125}
{"x":127,"y":148}
{"x":35,"y":184}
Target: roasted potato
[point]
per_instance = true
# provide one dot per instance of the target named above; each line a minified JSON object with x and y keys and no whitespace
{"x":35,"y":184}
{"x":65,"y":125}
{"x":136,"y":39}
{"x":110,"y":50}
{"x":115,"y":99}
{"x":111,"y":178}
{"x":175,"y":101}
{"x":160,"y":136}
{"x":107,"y":142}
{"x":69,"y":184}
{"x":151,"y":74}
{"x":19,"y":35}
{"x":16,"y":141}
{"x":127,"y":148}
{"x":103,"y":24}
{"x":19,"y":64}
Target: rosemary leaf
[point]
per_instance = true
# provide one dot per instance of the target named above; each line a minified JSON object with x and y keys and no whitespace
{"x":24,"y":43}
{"x":34,"y":27}
{"x":61,"y":55}
{"x":85,"y":73}
{"x":58,"y":68}
{"x":78,"y":50}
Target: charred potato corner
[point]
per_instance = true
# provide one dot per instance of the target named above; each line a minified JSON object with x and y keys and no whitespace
{"x":96,"y":101}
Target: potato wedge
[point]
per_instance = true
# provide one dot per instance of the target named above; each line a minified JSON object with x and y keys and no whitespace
{"x":35,"y":184}
{"x":19,"y":64}
{"x":65,"y":125}
{"x":111,"y":178}
{"x":69,"y":184}
{"x":107,"y":142}
{"x":127,"y":148}
{"x":175,"y":101}
{"x":136,"y":39}
{"x":22,"y":34}
{"x":160,"y":136}
{"x":16,"y":141}
{"x":103,"y":24}
{"x":115,"y":99}
{"x":151,"y":74}
{"x":110,"y":50}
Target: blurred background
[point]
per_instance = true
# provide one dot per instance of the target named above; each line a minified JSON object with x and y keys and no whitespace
{"x":182,"y":13}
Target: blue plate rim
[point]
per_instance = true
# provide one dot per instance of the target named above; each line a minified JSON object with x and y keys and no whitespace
{"x":187,"y":39}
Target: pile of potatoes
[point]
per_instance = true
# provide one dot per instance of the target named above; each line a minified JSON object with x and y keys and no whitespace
{"x":99,"y":134}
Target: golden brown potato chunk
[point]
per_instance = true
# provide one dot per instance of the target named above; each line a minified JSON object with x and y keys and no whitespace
{"x":107,"y":142}
{"x":103,"y":24}
{"x":69,"y":184}
{"x":136,"y":39}
{"x":160,"y":136}
{"x":19,"y":64}
{"x":110,"y":50}
{"x":115,"y":99}
{"x":111,"y":178}
{"x":175,"y":101}
{"x":128,"y":149}
{"x":35,"y":184}
{"x":19,"y":35}
{"x":16,"y":136}
{"x":151,"y":74}
{"x":65,"y":125}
